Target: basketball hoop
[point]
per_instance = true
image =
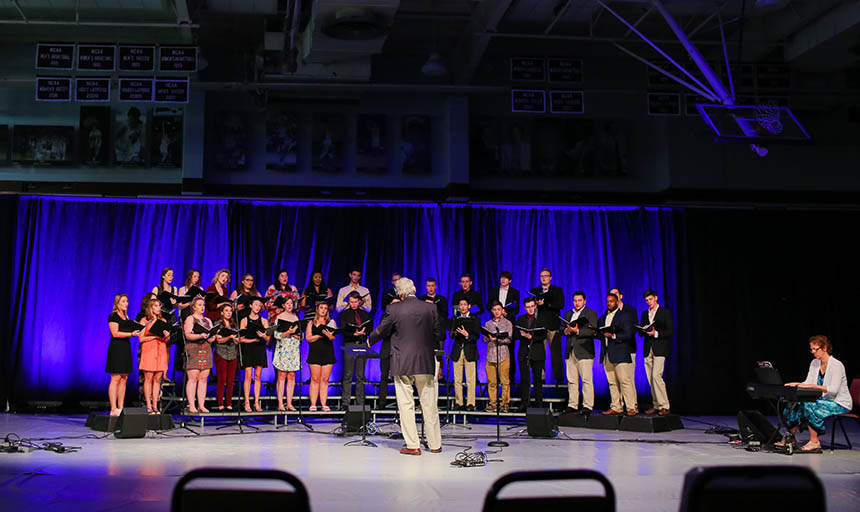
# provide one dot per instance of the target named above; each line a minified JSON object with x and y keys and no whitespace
{"x":767,"y":117}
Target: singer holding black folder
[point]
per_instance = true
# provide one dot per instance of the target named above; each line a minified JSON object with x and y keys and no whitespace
{"x":119,"y":363}
{"x":550,"y":302}
{"x":509,"y":297}
{"x":578,"y":325}
{"x":218,"y":288}
{"x":153,"y":354}
{"x":243,"y":294}
{"x":226,"y":356}
{"x":498,"y":333}
{"x":165,"y":286}
{"x":616,"y":330}
{"x":357,"y":324}
{"x":252,"y":348}
{"x":198,"y":355}
{"x":191,"y":286}
{"x":287,"y":359}
{"x":532,"y":354}
{"x":466,"y":292}
{"x":465,"y":330}
{"x":278,"y":292}
{"x":320,"y":334}
{"x":316,"y":291}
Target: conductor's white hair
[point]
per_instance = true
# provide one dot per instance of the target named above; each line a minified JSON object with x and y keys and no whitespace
{"x":404,"y":287}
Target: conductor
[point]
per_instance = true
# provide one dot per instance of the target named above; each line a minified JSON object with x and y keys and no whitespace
{"x":415,"y":331}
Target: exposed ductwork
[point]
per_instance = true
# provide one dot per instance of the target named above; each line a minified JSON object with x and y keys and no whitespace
{"x":339,"y":40}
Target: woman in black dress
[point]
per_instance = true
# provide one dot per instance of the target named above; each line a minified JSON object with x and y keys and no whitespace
{"x":252,"y":351}
{"x":244,"y":292}
{"x":320,"y":336}
{"x":119,"y":352}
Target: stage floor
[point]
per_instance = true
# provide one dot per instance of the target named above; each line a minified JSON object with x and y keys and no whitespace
{"x":138,"y":474}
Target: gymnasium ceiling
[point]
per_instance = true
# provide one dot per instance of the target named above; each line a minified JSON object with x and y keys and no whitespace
{"x":810,"y":35}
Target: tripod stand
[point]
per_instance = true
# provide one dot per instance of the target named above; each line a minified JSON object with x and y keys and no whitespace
{"x":359,"y":354}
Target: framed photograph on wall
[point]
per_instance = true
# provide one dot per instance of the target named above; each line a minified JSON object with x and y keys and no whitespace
{"x":282,"y":141}
{"x":4,"y":144}
{"x":372,"y":154}
{"x":229,"y":142}
{"x":415,"y":145}
{"x":43,"y":144}
{"x":484,"y":145}
{"x":93,"y":135}
{"x":327,"y":142}
{"x":166,"y":149}
{"x":129,"y":140}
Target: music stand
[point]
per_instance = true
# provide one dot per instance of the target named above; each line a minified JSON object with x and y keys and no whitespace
{"x":498,"y":442}
{"x":365,"y":352}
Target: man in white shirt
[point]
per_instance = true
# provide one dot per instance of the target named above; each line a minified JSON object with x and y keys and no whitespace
{"x":353,"y":286}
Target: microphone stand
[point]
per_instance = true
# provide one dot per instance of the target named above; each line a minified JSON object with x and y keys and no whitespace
{"x":301,"y":420}
{"x":239,"y":421}
{"x":498,"y":442}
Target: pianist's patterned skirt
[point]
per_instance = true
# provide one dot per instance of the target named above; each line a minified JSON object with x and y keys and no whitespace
{"x":811,"y":413}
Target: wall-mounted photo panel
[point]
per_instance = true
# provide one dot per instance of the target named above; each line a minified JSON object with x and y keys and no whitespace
{"x":372,"y":154}
{"x":416,"y":155}
{"x":166,"y":148}
{"x":43,"y":144}
{"x":282,"y":141}
{"x":93,"y":136}
{"x":327,"y":142}
{"x":129,"y":140}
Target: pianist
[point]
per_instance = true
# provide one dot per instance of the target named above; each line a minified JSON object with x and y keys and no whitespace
{"x":827,"y":374}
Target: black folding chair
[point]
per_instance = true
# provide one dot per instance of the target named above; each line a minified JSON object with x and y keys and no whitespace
{"x":605,"y":503}
{"x":721,"y":488}
{"x":232,"y":499}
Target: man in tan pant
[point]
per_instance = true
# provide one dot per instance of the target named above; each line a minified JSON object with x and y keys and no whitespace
{"x":657,"y":321}
{"x":617,"y":330}
{"x":579,"y":354}
{"x":465,"y":330}
{"x":498,"y":357}
{"x":415,"y":331}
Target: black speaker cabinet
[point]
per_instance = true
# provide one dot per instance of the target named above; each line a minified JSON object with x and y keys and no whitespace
{"x":132,"y":423}
{"x":540,"y":422}
{"x":353,"y":420}
{"x":754,"y":426}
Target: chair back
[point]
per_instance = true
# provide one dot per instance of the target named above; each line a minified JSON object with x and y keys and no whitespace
{"x":269,"y":495}
{"x":855,"y":392}
{"x":605,"y":503}
{"x":721,"y":488}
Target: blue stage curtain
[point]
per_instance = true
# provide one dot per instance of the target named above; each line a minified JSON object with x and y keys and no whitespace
{"x":590,"y":249}
{"x":418,"y":240}
{"x":73,"y":256}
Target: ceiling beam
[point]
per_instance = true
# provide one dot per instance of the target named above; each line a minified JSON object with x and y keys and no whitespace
{"x":474,"y":41}
{"x":183,"y":19}
{"x":558,"y":16}
{"x":829,"y":26}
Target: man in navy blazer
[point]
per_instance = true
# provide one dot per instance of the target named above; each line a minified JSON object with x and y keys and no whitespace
{"x":615,"y":356}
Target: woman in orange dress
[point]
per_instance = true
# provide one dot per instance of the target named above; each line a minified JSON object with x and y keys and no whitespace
{"x":153,"y":357}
